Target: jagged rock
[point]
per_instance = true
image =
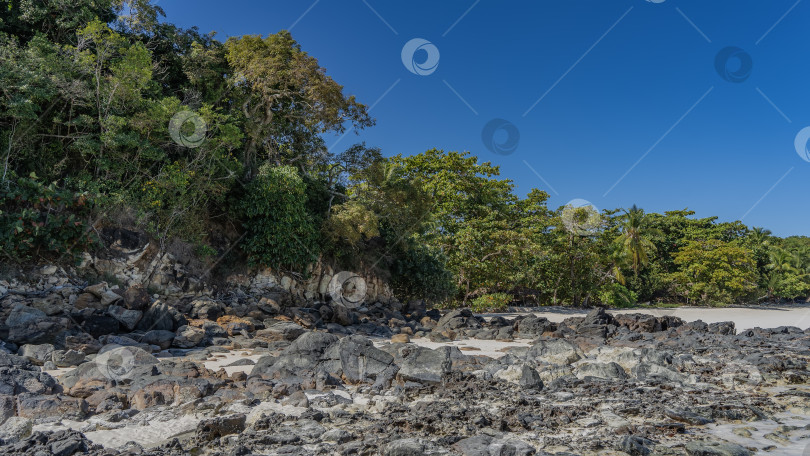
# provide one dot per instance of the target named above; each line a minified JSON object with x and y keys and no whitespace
{"x":128,"y":318}
{"x":532,"y":327}
{"x":39,"y":353}
{"x":136,"y":298}
{"x":709,"y":448}
{"x":41,"y":406}
{"x":554,"y":351}
{"x":356,"y":359}
{"x":206,"y":308}
{"x":99,"y":325}
{"x":212,"y":428}
{"x":96,"y":290}
{"x":67,"y":358}
{"x":16,"y":428}
{"x":88,"y":301}
{"x":157,"y":317}
{"x":29,"y":325}
{"x":405,"y":447}
{"x":280,"y":330}
{"x":188,"y":337}
{"x":458,"y":319}
{"x":424,"y":365}
{"x":607,"y":371}
{"x":109,"y":297}
{"x":529,"y":378}
{"x":160,"y":337}
{"x":18,"y":375}
{"x":400,"y":339}
{"x":636,"y":446}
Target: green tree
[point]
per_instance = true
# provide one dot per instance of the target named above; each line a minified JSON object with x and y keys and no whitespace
{"x":715,"y":272}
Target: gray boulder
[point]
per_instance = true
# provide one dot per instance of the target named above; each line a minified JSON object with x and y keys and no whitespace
{"x":554,"y":351}
{"x":425,"y":365}
{"x":188,"y":337}
{"x":128,"y":318}
{"x":38,"y":353}
{"x":356,"y":358}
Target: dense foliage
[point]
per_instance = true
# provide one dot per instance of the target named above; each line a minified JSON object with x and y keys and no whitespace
{"x":102,"y":101}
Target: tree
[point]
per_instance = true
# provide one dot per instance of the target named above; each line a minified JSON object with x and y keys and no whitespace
{"x":287,"y":100}
{"x":715,"y":272}
{"x":635,"y":241}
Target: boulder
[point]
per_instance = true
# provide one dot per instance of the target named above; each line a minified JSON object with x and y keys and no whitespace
{"x":405,"y":447}
{"x":280,"y":330}
{"x":67,"y":358}
{"x":532,"y":327}
{"x":188,"y":337}
{"x":128,"y":318}
{"x":160,"y":337}
{"x":458,"y":319}
{"x":554,"y":351}
{"x":607,"y":371}
{"x":356,"y":359}
{"x":29,"y":325}
{"x":38,"y":353}
{"x":712,"y":448}
{"x":99,"y":325}
{"x":158,"y":316}
{"x":424,"y":365}
{"x":18,"y":375}
{"x":136,"y":298}
{"x":212,"y":428}
{"x":15,"y":429}
{"x":207,"y":309}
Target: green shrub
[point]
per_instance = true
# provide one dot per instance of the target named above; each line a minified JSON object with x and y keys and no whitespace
{"x":280,"y":231}
{"x":616,"y":295}
{"x":494,"y":302}
{"x":44,"y":221}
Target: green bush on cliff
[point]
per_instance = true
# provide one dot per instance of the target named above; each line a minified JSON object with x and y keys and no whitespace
{"x":280,"y":233}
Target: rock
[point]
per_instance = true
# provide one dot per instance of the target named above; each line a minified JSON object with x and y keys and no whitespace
{"x":60,"y":443}
{"x":280,"y":330}
{"x":607,"y":371}
{"x":405,"y":447}
{"x":96,"y":290}
{"x":87,"y":301}
{"x":51,"y":306}
{"x":18,"y":375}
{"x":554,"y":351}
{"x":69,"y":358}
{"x":16,"y":428}
{"x":636,"y":446}
{"x":136,"y":298}
{"x":8,"y":407}
{"x":356,"y":359}
{"x":710,"y":448}
{"x":212,"y":428}
{"x":128,"y":318}
{"x":109,"y":297}
{"x":188,"y":337}
{"x":160,"y":337}
{"x":99,"y":325}
{"x":113,"y":363}
{"x":424,"y":365}
{"x":530,"y":379}
{"x":532,"y":327}
{"x":400,"y":339}
{"x":29,"y":325}
{"x":39,"y":353}
{"x":687,"y":416}
{"x":206,"y":308}
{"x":41,"y":406}
{"x":458,"y":319}
{"x":158,"y":316}
{"x":474,"y":446}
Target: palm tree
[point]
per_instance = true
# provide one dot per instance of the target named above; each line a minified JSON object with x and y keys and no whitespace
{"x":634,"y":243}
{"x":760,"y":237}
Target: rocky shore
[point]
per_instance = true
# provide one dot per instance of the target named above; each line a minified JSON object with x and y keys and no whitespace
{"x":106,"y":370}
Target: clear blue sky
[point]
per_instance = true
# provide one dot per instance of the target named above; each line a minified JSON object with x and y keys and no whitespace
{"x":616,"y":78}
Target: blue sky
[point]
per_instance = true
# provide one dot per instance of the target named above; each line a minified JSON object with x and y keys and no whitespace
{"x":592,"y":86}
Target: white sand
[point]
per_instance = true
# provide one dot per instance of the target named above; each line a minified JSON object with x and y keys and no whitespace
{"x":473,"y":347}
